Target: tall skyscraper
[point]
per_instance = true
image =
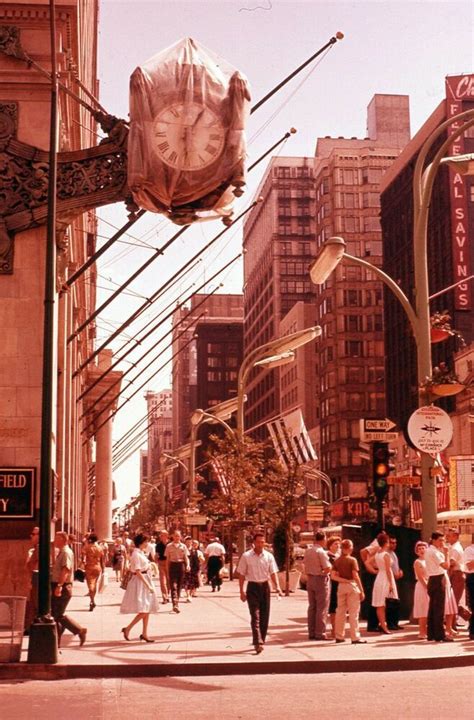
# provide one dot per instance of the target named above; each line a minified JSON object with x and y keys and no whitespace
{"x":306,"y":201}
{"x":279,"y":240}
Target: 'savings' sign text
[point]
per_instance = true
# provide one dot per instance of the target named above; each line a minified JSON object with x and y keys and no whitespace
{"x":459,"y":89}
{"x":17,"y":493}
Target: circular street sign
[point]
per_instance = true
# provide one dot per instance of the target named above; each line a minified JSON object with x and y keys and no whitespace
{"x":430,"y":429}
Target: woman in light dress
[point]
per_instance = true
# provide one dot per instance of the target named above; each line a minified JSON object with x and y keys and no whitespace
{"x":384,"y":585}
{"x":420,"y":597}
{"x":140,"y":596}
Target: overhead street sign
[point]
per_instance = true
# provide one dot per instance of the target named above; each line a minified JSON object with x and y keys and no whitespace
{"x":379,"y":436}
{"x":371,"y":425}
{"x":404,"y":480}
{"x":377,"y":430}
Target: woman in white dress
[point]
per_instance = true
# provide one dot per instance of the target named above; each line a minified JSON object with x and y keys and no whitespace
{"x":384,"y":585}
{"x":140,"y":596}
{"x":420,"y":598}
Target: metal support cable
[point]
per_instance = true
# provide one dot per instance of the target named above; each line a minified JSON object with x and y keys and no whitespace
{"x":160,"y":290}
{"x":124,"y":285}
{"x":112,"y":415}
{"x":134,"y":365}
{"x":93,"y":258}
{"x":124,"y":438}
{"x":113,"y":399}
{"x":123,"y":451}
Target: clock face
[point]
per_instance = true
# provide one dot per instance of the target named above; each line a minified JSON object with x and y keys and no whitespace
{"x":188,"y":136}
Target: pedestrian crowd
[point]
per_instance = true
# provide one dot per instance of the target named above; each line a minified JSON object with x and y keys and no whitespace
{"x":443,"y":598}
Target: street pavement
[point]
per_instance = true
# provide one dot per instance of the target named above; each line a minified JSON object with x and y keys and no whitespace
{"x":211,"y":636}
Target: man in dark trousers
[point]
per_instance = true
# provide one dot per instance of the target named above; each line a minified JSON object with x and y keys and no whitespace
{"x":257,"y":566}
{"x":436,"y":559}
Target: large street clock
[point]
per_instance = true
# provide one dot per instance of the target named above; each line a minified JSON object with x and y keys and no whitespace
{"x":187,"y":147}
{"x":188,"y":136}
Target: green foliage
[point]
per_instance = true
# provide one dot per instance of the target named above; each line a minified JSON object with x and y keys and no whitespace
{"x":283,"y":545}
{"x":148,"y":510}
{"x":258,"y":489}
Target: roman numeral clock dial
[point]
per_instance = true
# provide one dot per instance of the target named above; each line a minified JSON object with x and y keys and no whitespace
{"x":188,"y":136}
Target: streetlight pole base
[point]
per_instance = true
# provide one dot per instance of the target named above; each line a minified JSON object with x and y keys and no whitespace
{"x":43,"y":643}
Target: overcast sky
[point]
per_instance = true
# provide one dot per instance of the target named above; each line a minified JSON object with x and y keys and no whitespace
{"x":389,"y":47}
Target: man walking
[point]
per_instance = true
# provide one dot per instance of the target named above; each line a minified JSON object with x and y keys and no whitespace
{"x":177,"y":557}
{"x":436,"y":559}
{"x":317,"y":567}
{"x":61,"y":589}
{"x":257,"y":566}
{"x":160,"y":548}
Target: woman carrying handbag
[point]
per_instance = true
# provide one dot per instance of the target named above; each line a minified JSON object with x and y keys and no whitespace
{"x":140,"y":596}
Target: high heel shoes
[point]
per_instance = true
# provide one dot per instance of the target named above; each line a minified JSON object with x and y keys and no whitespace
{"x":125,"y":633}
{"x":385,"y":630}
{"x":146,"y":639}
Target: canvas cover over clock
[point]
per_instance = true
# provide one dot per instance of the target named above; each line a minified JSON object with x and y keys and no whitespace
{"x":187,"y":149}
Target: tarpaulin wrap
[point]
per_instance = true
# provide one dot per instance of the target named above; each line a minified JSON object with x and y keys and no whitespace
{"x":186,"y":151}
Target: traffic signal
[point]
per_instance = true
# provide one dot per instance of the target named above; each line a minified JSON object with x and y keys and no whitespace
{"x":381,"y":468}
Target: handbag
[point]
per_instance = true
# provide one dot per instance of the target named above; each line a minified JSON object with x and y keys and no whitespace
{"x":103,"y":582}
{"x":79,"y":575}
{"x":126,"y":579}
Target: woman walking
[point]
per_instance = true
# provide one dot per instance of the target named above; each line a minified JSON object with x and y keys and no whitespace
{"x":118,"y":558}
{"x":191,"y":578}
{"x":384,"y":585}
{"x":94,"y":564}
{"x":140,"y":596}
{"x":420,"y":597}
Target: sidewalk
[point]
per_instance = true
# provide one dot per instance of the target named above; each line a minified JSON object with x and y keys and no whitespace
{"x":211,"y":636}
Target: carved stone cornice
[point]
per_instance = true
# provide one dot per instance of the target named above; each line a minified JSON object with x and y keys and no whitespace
{"x":86,"y":179}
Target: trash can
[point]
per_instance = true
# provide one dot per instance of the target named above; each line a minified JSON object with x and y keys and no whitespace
{"x":12,"y":622}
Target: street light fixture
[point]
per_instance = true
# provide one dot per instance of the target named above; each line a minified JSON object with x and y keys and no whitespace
{"x":333,"y":251}
{"x":276,"y":353}
{"x":276,"y":360}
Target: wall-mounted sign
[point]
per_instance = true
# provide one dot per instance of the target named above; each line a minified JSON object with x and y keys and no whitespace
{"x":17,"y":493}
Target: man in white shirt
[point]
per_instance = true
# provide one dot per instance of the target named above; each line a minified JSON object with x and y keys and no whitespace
{"x":215,"y":556}
{"x":257,"y":566}
{"x":317,"y":567}
{"x":456,"y":568}
{"x":468,"y":561}
{"x":436,"y":559}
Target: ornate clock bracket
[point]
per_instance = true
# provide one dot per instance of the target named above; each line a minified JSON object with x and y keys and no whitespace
{"x":86,"y":179}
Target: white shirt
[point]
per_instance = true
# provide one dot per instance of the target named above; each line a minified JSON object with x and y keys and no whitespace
{"x":257,"y":568}
{"x":139,"y":561}
{"x":433,"y":560}
{"x":468,"y":556}
{"x":215,"y":549}
{"x":455,"y":554}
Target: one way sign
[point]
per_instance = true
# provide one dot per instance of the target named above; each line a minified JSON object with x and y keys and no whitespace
{"x":377,"y":429}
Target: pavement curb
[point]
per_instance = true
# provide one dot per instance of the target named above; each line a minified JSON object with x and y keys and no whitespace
{"x":24,"y":671}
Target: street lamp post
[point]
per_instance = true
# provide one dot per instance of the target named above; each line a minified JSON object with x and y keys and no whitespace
{"x":333,"y":252}
{"x":272,"y":354}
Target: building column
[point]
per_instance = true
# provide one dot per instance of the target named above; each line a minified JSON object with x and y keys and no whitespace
{"x":103,"y":479}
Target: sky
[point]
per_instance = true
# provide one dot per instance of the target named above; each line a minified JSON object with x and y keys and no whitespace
{"x":393,"y":46}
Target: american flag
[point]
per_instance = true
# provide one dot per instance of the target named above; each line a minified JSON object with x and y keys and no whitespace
{"x":442,"y":500}
{"x":291,"y":440}
{"x":221,"y":477}
{"x":415,"y":503}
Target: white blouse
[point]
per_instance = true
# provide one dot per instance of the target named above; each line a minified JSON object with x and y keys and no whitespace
{"x":139,"y":561}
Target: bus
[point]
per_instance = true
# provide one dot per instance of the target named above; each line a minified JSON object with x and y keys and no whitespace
{"x":462,"y":520}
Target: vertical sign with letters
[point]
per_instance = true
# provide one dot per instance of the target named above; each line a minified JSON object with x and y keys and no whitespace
{"x":459,"y":91}
{"x":17,"y":493}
